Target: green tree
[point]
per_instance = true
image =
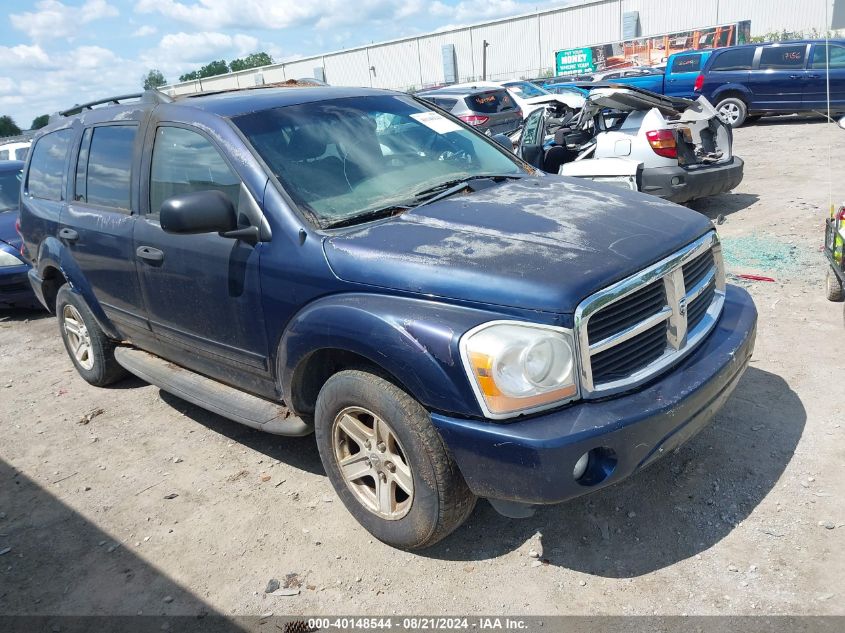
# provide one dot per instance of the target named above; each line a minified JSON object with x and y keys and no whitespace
{"x":8,"y":126}
{"x":217,"y":67}
{"x":40,"y":121}
{"x":251,"y":61}
{"x":153,"y":79}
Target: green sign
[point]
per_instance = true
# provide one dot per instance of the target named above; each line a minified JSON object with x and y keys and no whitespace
{"x":574,"y":61}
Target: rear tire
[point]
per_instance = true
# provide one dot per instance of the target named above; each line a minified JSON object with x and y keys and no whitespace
{"x":91,"y":351}
{"x":732,"y":111}
{"x":833,"y":289}
{"x":387,"y":462}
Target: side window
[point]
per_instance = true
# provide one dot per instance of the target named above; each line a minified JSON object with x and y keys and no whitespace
{"x":531,"y":133}
{"x":107,"y":166}
{"x":837,"y":56}
{"x":47,"y":166}
{"x":686,"y":64}
{"x":81,"y":167}
{"x":21,"y":152}
{"x":184,"y":162}
{"x":783,"y":57}
{"x":734,"y":59}
{"x":4,"y":154}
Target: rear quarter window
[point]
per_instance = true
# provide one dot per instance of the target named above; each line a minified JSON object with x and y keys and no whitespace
{"x":686,"y":64}
{"x":47,"y":165}
{"x":446,"y":104}
{"x":736,"y":59}
{"x":783,"y":57}
{"x":490,"y":102}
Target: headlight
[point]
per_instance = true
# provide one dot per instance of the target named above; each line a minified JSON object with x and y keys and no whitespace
{"x":8,"y":259}
{"x":519,"y":367}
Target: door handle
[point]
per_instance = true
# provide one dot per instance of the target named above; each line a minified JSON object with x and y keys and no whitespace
{"x":150,"y":254}
{"x":813,"y":76}
{"x":68,"y":235}
{"x":795,"y":76}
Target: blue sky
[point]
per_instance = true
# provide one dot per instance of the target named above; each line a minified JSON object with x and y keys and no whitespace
{"x":55,"y":53}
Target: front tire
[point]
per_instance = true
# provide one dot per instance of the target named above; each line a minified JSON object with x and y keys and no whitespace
{"x":91,"y":351}
{"x":833,"y":289}
{"x":732,"y":111}
{"x":387,"y":462}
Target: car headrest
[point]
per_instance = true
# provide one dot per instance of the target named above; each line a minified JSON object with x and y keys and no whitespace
{"x":308,"y":142}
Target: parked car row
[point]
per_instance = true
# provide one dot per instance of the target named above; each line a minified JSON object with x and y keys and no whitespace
{"x":15,"y":290}
{"x":743,"y":82}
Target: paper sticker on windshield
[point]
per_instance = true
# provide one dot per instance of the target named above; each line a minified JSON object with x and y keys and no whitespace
{"x":436,"y":122}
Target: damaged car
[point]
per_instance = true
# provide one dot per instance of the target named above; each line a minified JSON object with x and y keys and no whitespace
{"x":448,"y":321}
{"x":676,"y":149}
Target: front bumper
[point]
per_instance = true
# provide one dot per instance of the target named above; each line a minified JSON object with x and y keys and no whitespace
{"x":681,"y":184}
{"x":531,"y":461}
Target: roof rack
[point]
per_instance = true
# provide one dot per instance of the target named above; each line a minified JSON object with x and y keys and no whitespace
{"x":148,"y":96}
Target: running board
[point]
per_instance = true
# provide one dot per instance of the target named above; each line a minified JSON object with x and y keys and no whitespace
{"x":204,"y":392}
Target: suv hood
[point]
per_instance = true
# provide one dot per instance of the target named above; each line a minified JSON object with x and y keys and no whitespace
{"x":543,"y":243}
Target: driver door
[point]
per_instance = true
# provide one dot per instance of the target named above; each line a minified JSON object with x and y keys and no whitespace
{"x":531,"y":142}
{"x":201,"y":292}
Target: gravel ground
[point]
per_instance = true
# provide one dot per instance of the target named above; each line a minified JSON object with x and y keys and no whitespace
{"x":747,"y":518}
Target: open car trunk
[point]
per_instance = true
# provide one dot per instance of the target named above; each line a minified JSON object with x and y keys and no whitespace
{"x":622,"y":130}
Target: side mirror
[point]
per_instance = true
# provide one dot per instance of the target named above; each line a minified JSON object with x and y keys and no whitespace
{"x":842,"y":123}
{"x":198,"y":212}
{"x":504,"y":141}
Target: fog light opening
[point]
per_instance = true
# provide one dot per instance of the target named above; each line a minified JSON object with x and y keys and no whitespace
{"x":594,"y":466}
{"x":581,"y":466}
{"x":676,"y":180}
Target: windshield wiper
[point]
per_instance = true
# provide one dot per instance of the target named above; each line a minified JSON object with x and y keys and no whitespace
{"x":374,"y":214}
{"x":451,"y":187}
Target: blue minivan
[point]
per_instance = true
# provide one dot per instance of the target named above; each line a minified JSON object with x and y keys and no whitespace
{"x":747,"y":82}
{"x":448,"y":321}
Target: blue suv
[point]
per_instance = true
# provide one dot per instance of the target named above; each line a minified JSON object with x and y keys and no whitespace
{"x":747,"y":82}
{"x":448,"y":321}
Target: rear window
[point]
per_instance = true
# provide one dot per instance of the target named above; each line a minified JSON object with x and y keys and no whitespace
{"x":47,"y":166}
{"x":735,"y":59}
{"x":837,"y":56}
{"x":686,"y":64}
{"x":490,"y":102}
{"x":21,"y":152}
{"x":783,"y":57}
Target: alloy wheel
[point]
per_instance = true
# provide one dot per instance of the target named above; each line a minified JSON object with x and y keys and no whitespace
{"x":372,"y":463}
{"x":729,"y":113}
{"x":78,"y":338}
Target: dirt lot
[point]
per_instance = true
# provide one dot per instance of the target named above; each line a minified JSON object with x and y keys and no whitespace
{"x":748,"y":518}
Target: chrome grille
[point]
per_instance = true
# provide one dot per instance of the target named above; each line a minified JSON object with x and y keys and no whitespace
{"x":638,"y":327}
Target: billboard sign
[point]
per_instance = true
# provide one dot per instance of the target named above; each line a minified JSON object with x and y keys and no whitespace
{"x":648,"y":51}
{"x":574,"y":61}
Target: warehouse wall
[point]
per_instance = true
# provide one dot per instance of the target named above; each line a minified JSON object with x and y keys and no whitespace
{"x":522,"y":46}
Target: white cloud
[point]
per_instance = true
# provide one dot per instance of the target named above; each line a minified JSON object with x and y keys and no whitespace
{"x":279,"y":14}
{"x":144,"y":31}
{"x":24,"y":56}
{"x":53,"y":19}
{"x":201,"y":47}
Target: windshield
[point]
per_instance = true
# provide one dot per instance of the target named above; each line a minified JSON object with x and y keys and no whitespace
{"x":10,"y":189}
{"x":342,"y":158}
{"x":525,"y":89}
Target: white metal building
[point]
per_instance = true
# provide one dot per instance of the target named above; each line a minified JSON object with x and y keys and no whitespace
{"x":523,"y":45}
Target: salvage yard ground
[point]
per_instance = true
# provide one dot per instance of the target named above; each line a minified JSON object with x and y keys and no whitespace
{"x":127,"y":500}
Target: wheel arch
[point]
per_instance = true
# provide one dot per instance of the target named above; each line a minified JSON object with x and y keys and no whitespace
{"x":411,"y":342}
